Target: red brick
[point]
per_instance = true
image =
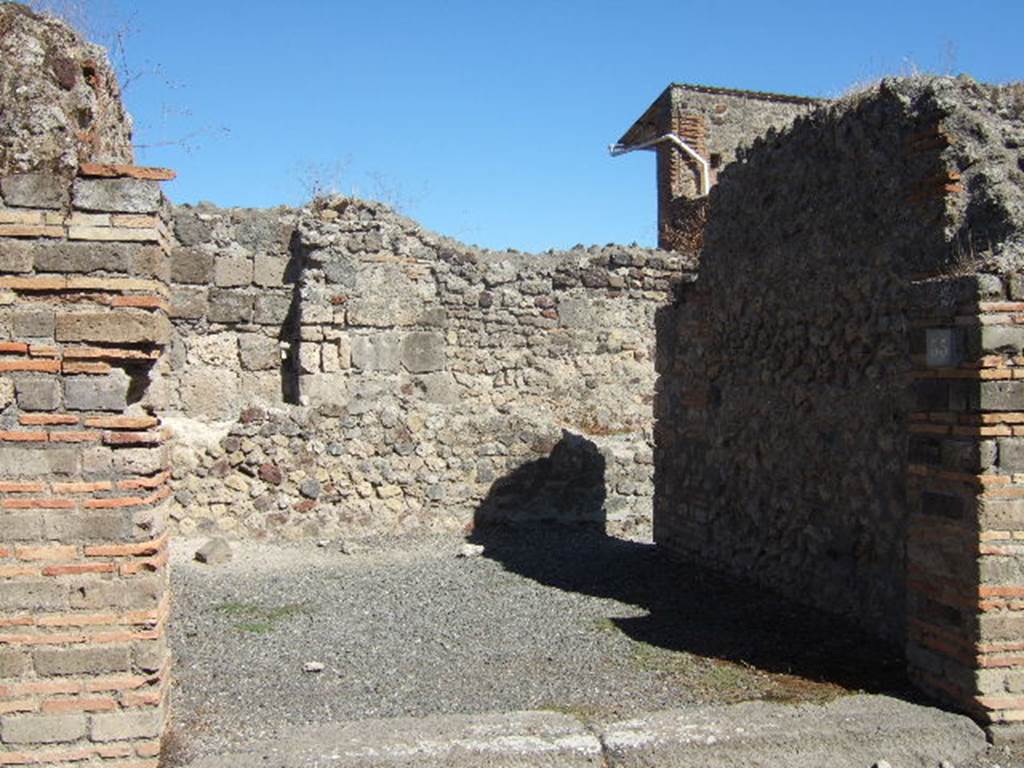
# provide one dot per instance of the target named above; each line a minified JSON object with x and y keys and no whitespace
{"x":58,"y":552}
{"x":121,"y":422}
{"x":142,"y":302}
{"x":15,"y":571}
{"x":110,"y":170}
{"x":74,"y":569}
{"x":115,"y":683}
{"x":51,"y":757}
{"x":49,"y":503}
{"x":40,"y":688}
{"x":133,"y":567}
{"x":158,"y":495}
{"x":15,"y":487}
{"x":17,"y":758}
{"x":46,"y":366}
{"x":132,"y":438}
{"x":17,"y":347}
{"x":148,"y":749}
{"x":114,"y":503}
{"x":23,"y":705}
{"x":145,"y":482}
{"x":81,"y":704}
{"x":23,"y":437}
{"x":114,"y":750}
{"x":74,"y":437}
{"x":127,"y":550}
{"x":42,"y":350}
{"x":148,"y":698}
{"x":109,"y":353}
{"x":48,"y":283}
{"x":46,"y":419}
{"x":102,"y":485}
{"x":146,"y":617}
{"x":1001,"y":591}
{"x":18,"y":230}
{"x":97,"y":368}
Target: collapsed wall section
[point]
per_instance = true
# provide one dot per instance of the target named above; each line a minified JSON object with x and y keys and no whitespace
{"x":83,"y":468}
{"x":339,"y":371}
{"x":811,"y":435}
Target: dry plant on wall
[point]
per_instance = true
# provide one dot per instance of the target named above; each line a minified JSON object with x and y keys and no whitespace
{"x":318,"y":180}
{"x":390,"y":191}
{"x":1014,"y":93}
{"x":908,"y":67}
{"x":102,"y":21}
{"x":72,"y":12}
{"x":969,"y":253}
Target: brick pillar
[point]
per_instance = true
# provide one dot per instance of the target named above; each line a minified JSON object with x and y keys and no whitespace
{"x":83,"y":469}
{"x":679,"y":183}
{"x":965,"y":604}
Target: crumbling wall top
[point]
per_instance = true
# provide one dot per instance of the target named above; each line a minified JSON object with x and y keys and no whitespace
{"x":60,"y":102}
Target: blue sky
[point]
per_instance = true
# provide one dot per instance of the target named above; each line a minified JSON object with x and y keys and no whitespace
{"x":489,"y":121}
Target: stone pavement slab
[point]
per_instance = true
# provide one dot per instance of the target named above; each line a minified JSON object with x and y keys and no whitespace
{"x":852,"y":732}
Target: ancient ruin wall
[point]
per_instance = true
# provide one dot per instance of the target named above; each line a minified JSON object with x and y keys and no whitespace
{"x":826,"y":384}
{"x":783,"y":416}
{"x":339,"y":371}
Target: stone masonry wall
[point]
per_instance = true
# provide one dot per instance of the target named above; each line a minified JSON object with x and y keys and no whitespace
{"x":83,"y":469}
{"x":830,"y":385}
{"x":339,"y":371}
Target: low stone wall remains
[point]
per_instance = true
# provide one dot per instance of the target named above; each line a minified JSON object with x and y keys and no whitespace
{"x":338,"y":371}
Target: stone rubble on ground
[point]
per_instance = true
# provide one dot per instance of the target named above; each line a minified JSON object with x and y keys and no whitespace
{"x":214,"y":552}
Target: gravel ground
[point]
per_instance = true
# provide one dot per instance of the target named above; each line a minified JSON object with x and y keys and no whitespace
{"x":565,"y":620}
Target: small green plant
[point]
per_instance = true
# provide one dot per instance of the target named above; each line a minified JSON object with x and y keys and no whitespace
{"x":257,"y":619}
{"x":604,"y":624}
{"x":583,"y":712}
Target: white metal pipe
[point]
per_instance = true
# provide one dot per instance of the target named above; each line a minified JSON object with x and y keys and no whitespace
{"x":705,"y":171}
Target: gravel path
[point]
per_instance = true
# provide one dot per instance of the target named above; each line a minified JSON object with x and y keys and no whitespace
{"x":563,"y":620}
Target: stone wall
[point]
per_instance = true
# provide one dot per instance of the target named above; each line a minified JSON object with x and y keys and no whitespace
{"x":339,"y":371}
{"x":803,"y":440}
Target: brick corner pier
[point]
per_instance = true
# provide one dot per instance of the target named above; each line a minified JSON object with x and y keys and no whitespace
{"x":83,"y":467}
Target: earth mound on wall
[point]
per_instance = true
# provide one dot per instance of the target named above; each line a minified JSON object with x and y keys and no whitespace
{"x":60,"y":103}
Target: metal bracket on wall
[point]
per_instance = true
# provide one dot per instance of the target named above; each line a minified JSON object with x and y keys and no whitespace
{"x":705,"y":172}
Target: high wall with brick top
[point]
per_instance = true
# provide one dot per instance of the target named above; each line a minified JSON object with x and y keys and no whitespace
{"x":838,"y":400}
{"x":718,"y":124}
{"x":83,"y":468}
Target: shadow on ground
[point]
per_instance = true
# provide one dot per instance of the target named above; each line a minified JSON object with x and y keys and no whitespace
{"x":545,"y":521}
